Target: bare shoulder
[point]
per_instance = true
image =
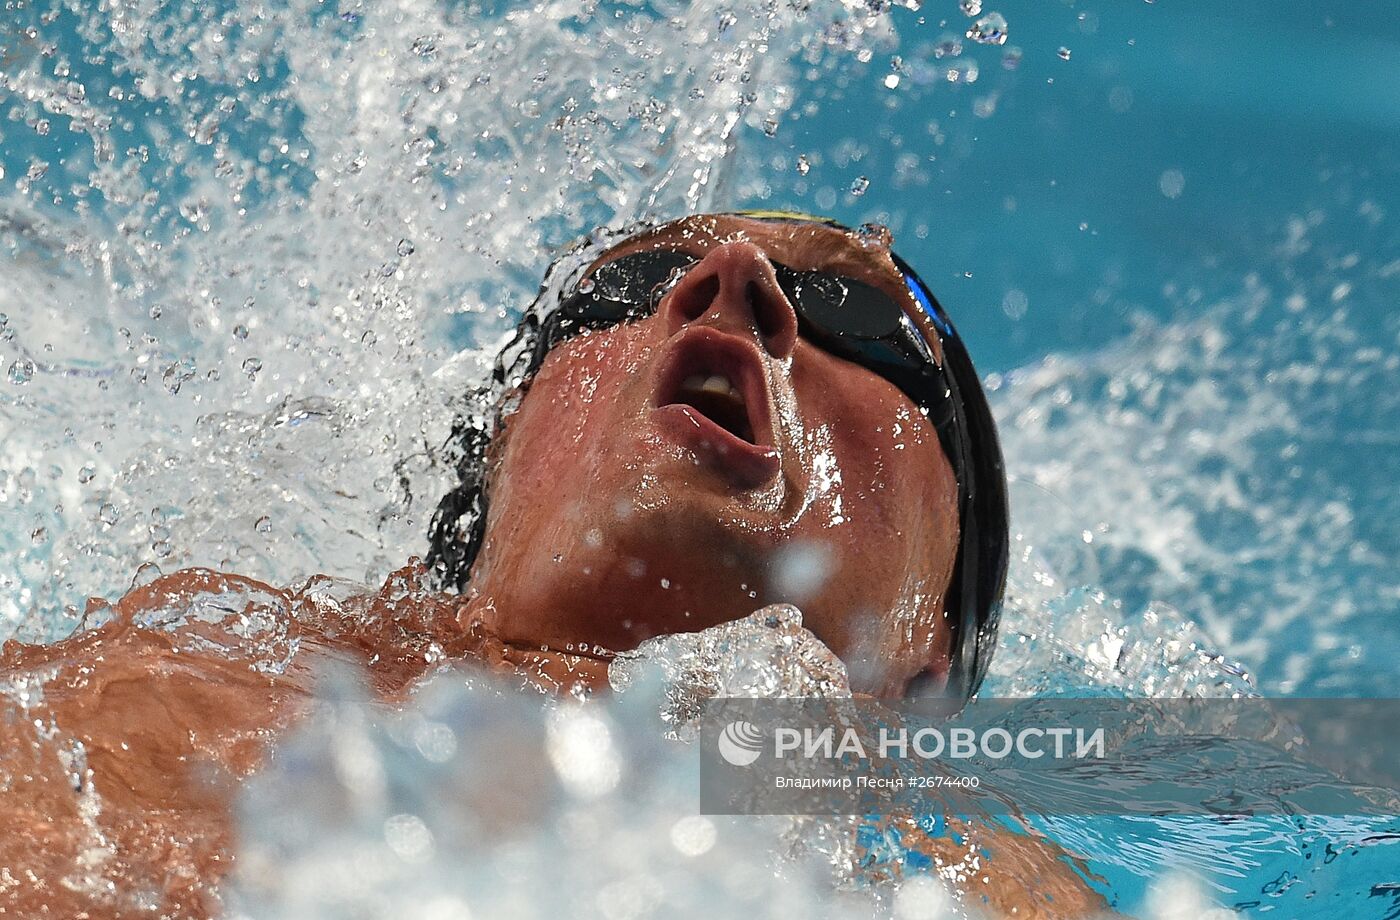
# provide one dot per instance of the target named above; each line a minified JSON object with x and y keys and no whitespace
{"x":122,"y":743}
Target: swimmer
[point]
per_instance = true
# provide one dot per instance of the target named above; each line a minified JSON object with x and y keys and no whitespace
{"x":697,"y":411}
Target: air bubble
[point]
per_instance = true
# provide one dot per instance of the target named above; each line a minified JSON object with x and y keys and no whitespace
{"x":86,"y":474}
{"x":859,"y":186}
{"x":21,"y":371}
{"x":251,"y":366}
{"x":240,"y":332}
{"x":971,"y":7}
{"x":989,"y":30}
{"x":406,"y":248}
{"x":1064,"y":53}
{"x":803,"y":166}
{"x":109,"y":513}
{"x":263,"y":524}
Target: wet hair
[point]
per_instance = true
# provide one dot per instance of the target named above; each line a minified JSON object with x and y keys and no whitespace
{"x":973,"y":601}
{"x":458,"y":527}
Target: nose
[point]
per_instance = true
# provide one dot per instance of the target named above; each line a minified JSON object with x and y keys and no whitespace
{"x":734,"y":287}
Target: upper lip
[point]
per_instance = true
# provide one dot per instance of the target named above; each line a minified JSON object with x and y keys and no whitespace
{"x":707,"y":352}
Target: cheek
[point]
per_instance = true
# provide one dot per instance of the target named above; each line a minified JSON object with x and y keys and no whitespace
{"x":884,"y":465}
{"x":583,"y":396}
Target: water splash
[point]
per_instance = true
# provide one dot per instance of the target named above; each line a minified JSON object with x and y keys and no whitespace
{"x":279,"y":226}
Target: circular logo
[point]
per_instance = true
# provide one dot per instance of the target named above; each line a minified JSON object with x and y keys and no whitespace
{"x":741,"y":743}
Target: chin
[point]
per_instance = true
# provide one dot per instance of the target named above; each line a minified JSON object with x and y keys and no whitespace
{"x":671,"y":487}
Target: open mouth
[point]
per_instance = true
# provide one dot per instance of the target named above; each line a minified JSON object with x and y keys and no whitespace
{"x":714,"y":396}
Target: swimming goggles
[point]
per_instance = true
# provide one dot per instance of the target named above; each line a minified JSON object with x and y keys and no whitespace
{"x":843,"y":316}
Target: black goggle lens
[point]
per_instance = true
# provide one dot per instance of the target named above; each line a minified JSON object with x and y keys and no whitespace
{"x":849,"y":318}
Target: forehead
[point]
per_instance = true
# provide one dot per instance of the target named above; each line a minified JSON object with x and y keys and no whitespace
{"x":803,"y":245}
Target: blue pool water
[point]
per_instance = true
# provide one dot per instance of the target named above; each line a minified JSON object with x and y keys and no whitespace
{"x":245,"y":253}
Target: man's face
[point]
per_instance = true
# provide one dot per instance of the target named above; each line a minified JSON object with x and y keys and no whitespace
{"x":683,"y":470}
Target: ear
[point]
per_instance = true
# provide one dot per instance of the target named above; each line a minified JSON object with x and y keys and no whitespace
{"x":932,"y":680}
{"x":930,"y":683}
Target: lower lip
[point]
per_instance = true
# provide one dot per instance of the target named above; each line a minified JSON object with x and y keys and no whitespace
{"x":747,"y":465}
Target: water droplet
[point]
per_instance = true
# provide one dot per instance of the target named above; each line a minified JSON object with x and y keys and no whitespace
{"x":240,"y":332}
{"x":156,"y":311}
{"x":263,"y":524}
{"x":406,"y":248}
{"x":21,"y":371}
{"x":207,"y":128}
{"x":424,"y":46}
{"x":803,"y":167}
{"x":147,"y":573}
{"x":859,"y":186}
{"x":176,"y":374}
{"x":86,"y":474}
{"x":108,"y":513}
{"x":891,"y":80}
{"x":4,"y":318}
{"x":950,"y":46}
{"x":1014,"y":303}
{"x":369,"y":338}
{"x":1064,"y":53}
{"x":971,"y":7}
{"x":162,"y":548}
{"x":1172,"y":183}
{"x":989,"y":30}
{"x":251,"y":366}
{"x":586,"y":286}
{"x":875,"y":236}
{"x":39,"y":535}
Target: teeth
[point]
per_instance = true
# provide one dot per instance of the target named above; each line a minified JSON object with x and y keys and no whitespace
{"x":718,"y":384}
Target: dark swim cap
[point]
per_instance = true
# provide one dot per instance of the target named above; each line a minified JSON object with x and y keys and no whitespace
{"x":968,"y":437}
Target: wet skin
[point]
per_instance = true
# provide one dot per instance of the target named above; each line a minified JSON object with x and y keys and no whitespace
{"x":602,"y":467}
{"x":659,"y":521}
